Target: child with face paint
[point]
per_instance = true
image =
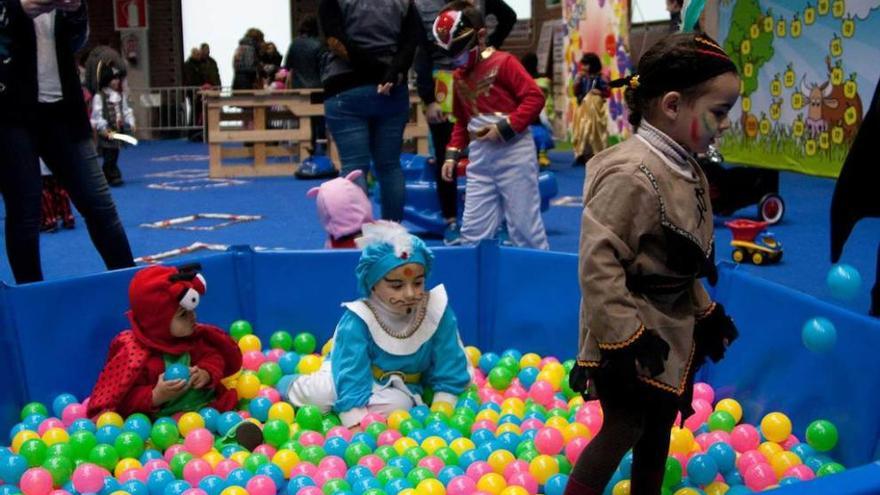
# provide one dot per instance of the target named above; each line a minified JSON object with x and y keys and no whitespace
{"x":394,"y":342}
{"x":647,"y":323}
{"x":495,"y":101}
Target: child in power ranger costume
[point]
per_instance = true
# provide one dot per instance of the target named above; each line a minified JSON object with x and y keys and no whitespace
{"x":495,"y":101}
{"x":394,"y":342}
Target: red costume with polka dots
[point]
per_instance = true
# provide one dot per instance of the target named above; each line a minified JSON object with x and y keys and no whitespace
{"x":137,"y":356}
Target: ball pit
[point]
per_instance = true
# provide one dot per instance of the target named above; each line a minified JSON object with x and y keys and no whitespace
{"x":517,"y":432}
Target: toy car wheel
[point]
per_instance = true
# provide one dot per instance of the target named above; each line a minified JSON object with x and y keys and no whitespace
{"x":757,"y":258}
{"x":738,"y":255}
{"x":771,"y":208}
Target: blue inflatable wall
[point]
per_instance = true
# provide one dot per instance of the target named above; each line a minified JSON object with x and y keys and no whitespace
{"x":54,"y":335}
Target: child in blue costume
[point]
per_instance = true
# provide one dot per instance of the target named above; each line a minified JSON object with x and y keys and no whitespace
{"x":394,"y":342}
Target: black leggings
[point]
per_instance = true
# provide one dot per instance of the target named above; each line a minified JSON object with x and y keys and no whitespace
{"x":447,"y":192}
{"x":640,"y":423}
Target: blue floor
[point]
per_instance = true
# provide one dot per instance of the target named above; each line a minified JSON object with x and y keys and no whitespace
{"x":290,"y":220}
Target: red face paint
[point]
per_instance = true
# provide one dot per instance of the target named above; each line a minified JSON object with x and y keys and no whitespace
{"x":695,"y":131}
{"x":407,"y":271}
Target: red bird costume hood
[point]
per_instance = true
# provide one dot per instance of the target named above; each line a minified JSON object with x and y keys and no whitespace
{"x":155,"y":294}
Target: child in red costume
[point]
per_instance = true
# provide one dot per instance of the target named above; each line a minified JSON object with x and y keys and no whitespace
{"x":164,"y":331}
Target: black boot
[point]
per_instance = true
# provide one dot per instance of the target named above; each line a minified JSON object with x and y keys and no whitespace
{"x":113,"y":175}
{"x":248,"y":435}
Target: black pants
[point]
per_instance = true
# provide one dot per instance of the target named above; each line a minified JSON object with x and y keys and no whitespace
{"x":74,"y":163}
{"x":110,"y":163}
{"x":447,"y":192}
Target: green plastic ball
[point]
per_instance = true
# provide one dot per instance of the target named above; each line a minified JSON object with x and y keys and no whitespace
{"x":355,"y":451}
{"x":334,"y":486}
{"x":304,"y":343}
{"x":447,"y":455}
{"x":461,"y":424}
{"x":309,"y":418}
{"x":239,"y":329}
{"x":568,"y":365}
{"x":822,"y":435}
{"x":164,"y":435}
{"x":415,"y":454}
{"x":500,"y":378}
{"x":564,"y":465}
{"x":830,"y":468}
{"x":389,"y":474}
{"x":510,"y":363}
{"x":329,"y":422}
{"x":129,"y":445}
{"x":32,"y":408}
{"x":672,"y":473}
{"x":419,"y":474}
{"x":179,"y":461}
{"x":61,"y":468}
{"x":437,"y":417}
{"x":313,"y":454}
{"x":276,"y":432}
{"x":721,"y":420}
{"x":60,"y":450}
{"x":81,"y":444}
{"x":104,"y":455}
{"x":255,"y":462}
{"x":409,"y":425}
{"x":375,"y":429}
{"x":269,"y":373}
{"x":281,"y":340}
{"x":374,"y":491}
{"x":386,"y":453}
{"x":34,"y":452}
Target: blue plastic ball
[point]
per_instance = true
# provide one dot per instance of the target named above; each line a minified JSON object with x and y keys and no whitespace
{"x":149,"y":455}
{"x":272,"y":471}
{"x":283,"y":384}
{"x":231,"y":449}
{"x":289,"y":362}
{"x":238,"y":477}
{"x":448,"y":473}
{"x":702,"y":469}
{"x":723,"y":455}
{"x":803,"y":450}
{"x":81,"y":424}
{"x":212,"y":484}
{"x":167,"y":420}
{"x":420,"y":413}
{"x":527,"y":376}
{"x":16,"y":429}
{"x":110,"y":485}
{"x":398,"y":485}
{"x":33,"y":421}
{"x":9,"y":490}
{"x":176,"y":488}
{"x":401,"y":463}
{"x":488,"y":361}
{"x":158,"y":480}
{"x":227,"y":421}
{"x":61,"y":402}
{"x":819,"y":335}
{"x":335,"y":446}
{"x":739,"y":490}
{"x":12,"y":468}
{"x":135,"y":487}
{"x":297,"y":483}
{"x":210,"y":415}
{"x":362,"y":485}
{"x":364,"y":438}
{"x":356,"y":473}
{"x":139,"y":425}
{"x":176,"y":372}
{"x":556,"y":484}
{"x":515,"y":354}
{"x":108,"y":433}
{"x":259,"y":408}
{"x":844,"y":282}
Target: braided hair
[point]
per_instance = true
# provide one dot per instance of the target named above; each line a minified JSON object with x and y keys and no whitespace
{"x":681,"y":62}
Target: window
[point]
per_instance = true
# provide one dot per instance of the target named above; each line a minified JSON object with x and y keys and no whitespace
{"x":644,"y":11}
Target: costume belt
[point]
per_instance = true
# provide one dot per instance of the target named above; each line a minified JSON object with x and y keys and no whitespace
{"x":657,"y":284}
{"x":411,"y":378}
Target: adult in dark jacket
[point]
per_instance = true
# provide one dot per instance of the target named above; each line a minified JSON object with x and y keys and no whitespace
{"x":303,"y":62}
{"x":371,"y":47}
{"x":41,"y":115}
{"x":209,"y":69}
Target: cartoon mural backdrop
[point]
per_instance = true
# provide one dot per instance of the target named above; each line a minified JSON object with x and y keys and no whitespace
{"x":599,"y":26}
{"x":808,"y":68}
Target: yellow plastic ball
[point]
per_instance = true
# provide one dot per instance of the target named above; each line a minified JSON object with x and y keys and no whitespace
{"x":234,"y":490}
{"x":22,"y":437}
{"x":543,"y":467}
{"x":769,"y":449}
{"x":551,"y":378}
{"x":328,"y":346}
{"x":282,"y":411}
{"x":508,"y":427}
{"x":782,"y":461}
{"x":406,"y":491}
{"x":554,"y":368}
{"x":487,"y":415}
{"x":430,"y":487}
{"x":55,"y":435}
{"x":716,"y":488}
{"x":443,"y":407}
{"x":621,"y":488}
{"x":462,"y":445}
{"x":473,"y":355}
{"x":500,"y":459}
{"x":240,"y":457}
{"x":557,"y":423}
{"x":776,"y":427}
{"x":576,"y":430}
{"x":576,"y":402}
{"x":397,"y":417}
{"x":255,"y":421}
{"x":681,"y":440}
{"x":433,"y":444}
{"x":681,"y":491}
{"x":213,"y":458}
{"x":309,"y":364}
{"x":190,"y":421}
{"x":248,"y":386}
{"x":401,"y":445}
{"x":109,"y":418}
{"x":285,"y":459}
{"x":529,"y":359}
{"x":492,"y":483}
{"x":120,"y":492}
{"x":514,"y":490}
{"x":126,"y":464}
{"x":513,"y":406}
{"x":249,"y":343}
{"x":731,"y":406}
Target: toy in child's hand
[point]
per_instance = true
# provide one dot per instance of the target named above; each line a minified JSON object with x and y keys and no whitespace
{"x":751,"y":241}
{"x":166,"y":390}
{"x":177,"y":372}
{"x":125,"y":138}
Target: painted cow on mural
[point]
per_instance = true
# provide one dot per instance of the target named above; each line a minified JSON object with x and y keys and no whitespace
{"x":829,"y":106}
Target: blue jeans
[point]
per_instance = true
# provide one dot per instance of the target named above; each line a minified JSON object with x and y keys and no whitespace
{"x":74,"y":162}
{"x":368,"y":126}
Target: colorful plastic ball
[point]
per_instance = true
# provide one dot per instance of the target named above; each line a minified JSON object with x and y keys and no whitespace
{"x":309,"y":417}
{"x":844,"y":281}
{"x":543,"y":467}
{"x":702,"y":469}
{"x":556,"y":485}
{"x":776,"y":427}
{"x":781,"y":462}
{"x":819,"y":335}
{"x":12,"y":467}
{"x":60,"y":402}
{"x":282,"y":411}
{"x":730,"y":406}
{"x":759,"y":477}
{"x":88,"y":478}
{"x":830,"y":468}
{"x":248,"y":343}
{"x":129,"y":444}
{"x":176,"y":372}
{"x":164,"y":435}
{"x":239,"y":329}
{"x":822,"y":435}
{"x":721,"y":420}
{"x":309,"y":364}
{"x":281,"y":340}
{"x":36,"y":481}
{"x":744,"y":438}
{"x":723,"y":455}
{"x":252,"y":360}
{"x":34,"y":451}
{"x":33,"y":408}
{"x":549,"y":441}
{"x":304,"y":343}
{"x":269,"y":373}
{"x":104,"y":455}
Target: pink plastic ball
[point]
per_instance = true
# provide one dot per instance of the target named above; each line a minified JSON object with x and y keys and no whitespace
{"x":432,"y":463}
{"x":461,"y":485}
{"x":702,"y":410}
{"x":244,"y":414}
{"x":517,"y":392}
{"x":266,"y":450}
{"x":718,"y":436}
{"x":195,"y":470}
{"x":261,"y":485}
{"x":531,"y":424}
{"x":593,"y":422}
{"x":517,"y":466}
{"x":195,"y":491}
{"x":744,"y":438}
{"x":132,"y":474}
{"x":311,"y":438}
{"x":559,"y":404}
{"x":477,"y":469}
{"x":759,"y":477}
{"x":36,"y":481}
{"x":372,"y":462}
{"x":541,"y":392}
{"x":333,"y":463}
{"x":72,"y":412}
{"x":790,"y":442}
{"x":749,"y":459}
{"x":702,"y":440}
{"x":547,"y":360}
{"x":310,"y":490}
{"x":87,"y":478}
{"x":801,"y":472}
{"x":525,"y":480}
{"x":574,"y":448}
{"x":388,"y":437}
{"x":252,"y":360}
{"x":305,"y":469}
{"x":549,"y":441}
{"x":484,"y":424}
{"x":154,"y":464}
{"x":59,"y":492}
{"x":704,"y":391}
{"x":479,"y":378}
{"x":274,"y":355}
{"x":682,"y":459}
{"x":225,"y":467}
{"x":270,"y":393}
{"x":340,"y":432}
{"x":199,"y":442}
{"x":172,"y":451}
{"x":324,"y":475}
{"x":495,"y":397}
{"x":372,"y":418}
{"x":49,"y":423}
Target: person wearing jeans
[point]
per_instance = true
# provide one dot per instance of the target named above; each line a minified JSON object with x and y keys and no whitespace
{"x":42,"y":114}
{"x":371,"y":46}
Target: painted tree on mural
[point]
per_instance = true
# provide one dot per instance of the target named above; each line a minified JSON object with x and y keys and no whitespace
{"x":749,"y":43}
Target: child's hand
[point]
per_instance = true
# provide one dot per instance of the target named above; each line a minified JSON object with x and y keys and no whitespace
{"x":446,"y":171}
{"x":199,"y":378}
{"x":489,"y":133}
{"x":165,"y":391}
{"x":434,"y":113}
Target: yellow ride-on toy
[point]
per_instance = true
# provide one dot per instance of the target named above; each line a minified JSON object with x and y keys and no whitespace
{"x":751,"y":242}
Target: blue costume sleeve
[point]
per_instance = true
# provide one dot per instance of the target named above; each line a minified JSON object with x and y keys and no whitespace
{"x":351,"y":365}
{"x":448,"y":372}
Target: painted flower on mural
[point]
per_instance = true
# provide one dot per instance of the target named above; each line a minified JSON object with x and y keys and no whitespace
{"x":623,"y":61}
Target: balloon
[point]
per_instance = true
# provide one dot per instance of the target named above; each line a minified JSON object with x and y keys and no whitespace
{"x":822,"y":435}
{"x":819,"y":335}
{"x":844,"y":281}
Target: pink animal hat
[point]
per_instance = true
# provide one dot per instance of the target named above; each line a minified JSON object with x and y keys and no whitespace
{"x":343,"y":207}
